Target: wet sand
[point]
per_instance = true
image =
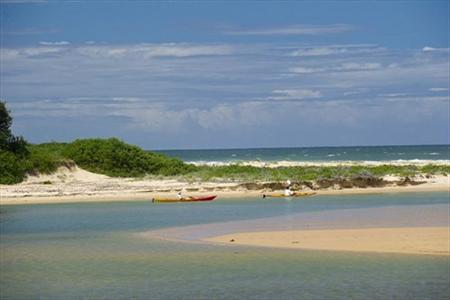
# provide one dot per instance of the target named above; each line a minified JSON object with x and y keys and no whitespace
{"x":409,"y":240}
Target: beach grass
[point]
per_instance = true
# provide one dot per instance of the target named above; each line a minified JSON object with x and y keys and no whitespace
{"x":309,"y":173}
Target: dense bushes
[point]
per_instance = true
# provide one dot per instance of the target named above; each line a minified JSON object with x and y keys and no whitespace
{"x":116,"y":158}
{"x":45,"y":158}
{"x":12,"y":168}
{"x":111,"y":157}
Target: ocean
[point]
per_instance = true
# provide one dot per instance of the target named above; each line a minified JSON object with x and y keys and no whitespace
{"x":97,"y":251}
{"x":414,"y":154}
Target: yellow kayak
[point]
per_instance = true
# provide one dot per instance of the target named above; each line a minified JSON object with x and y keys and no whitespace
{"x":304,"y":194}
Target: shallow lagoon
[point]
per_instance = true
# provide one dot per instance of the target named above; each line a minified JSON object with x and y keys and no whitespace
{"x":90,"y":251}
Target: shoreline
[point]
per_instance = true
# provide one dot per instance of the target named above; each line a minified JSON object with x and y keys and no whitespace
{"x":130,"y":195}
{"x":125,"y":196}
{"x":75,"y":185}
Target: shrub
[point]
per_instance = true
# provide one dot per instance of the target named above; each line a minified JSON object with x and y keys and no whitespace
{"x":12,"y":169}
{"x":42,"y":161}
{"x":116,"y":158}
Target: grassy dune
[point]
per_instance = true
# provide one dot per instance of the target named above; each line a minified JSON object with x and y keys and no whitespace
{"x":115,"y":158}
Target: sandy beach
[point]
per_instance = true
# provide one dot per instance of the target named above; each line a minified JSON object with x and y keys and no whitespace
{"x":78,"y":185}
{"x":410,"y":240}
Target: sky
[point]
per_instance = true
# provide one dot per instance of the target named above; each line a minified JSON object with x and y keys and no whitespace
{"x":231,"y":74}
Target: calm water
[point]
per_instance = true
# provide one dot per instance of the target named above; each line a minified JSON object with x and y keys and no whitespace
{"x":324,"y":154}
{"x":91,"y":251}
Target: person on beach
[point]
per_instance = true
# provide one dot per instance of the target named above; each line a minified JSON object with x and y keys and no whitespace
{"x":181,"y":197}
{"x":287,"y":191}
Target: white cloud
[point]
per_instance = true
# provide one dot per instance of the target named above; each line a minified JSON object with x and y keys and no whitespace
{"x":438,"y":89}
{"x":61,"y":43}
{"x":159,"y":117}
{"x":431,"y":49}
{"x":294,"y":30}
{"x":295,"y":94}
{"x":39,"y":51}
{"x":143,"y":51}
{"x":154,"y":50}
{"x":303,"y":70}
{"x":357,"y":91}
{"x":319,"y":51}
{"x":358,"y":66}
{"x":155,"y":118}
{"x":394,"y":95}
{"x":335,"y":50}
{"x":348,"y":66}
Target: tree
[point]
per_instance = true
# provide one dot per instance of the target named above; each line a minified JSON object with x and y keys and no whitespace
{"x":9,"y":142}
{"x":5,"y":124}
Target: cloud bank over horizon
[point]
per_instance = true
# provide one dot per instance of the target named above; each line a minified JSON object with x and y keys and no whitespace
{"x":230,"y":94}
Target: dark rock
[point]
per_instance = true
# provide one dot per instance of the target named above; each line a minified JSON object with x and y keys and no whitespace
{"x":309,"y":184}
{"x":274,"y":186}
{"x":251,"y":186}
{"x":408,"y":181}
{"x":363,"y":181}
{"x":325,"y":183}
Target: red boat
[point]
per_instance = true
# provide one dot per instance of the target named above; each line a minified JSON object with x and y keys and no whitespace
{"x":186,"y":199}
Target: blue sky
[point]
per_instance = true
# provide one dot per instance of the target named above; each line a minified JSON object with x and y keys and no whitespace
{"x":228,"y":74}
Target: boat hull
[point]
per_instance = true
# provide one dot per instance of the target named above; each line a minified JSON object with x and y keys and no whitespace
{"x":188,"y":199}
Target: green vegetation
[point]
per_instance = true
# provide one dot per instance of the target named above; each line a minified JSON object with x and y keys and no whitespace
{"x":116,"y":158}
{"x":13,"y":150}
{"x":248,"y":173}
{"x":111,"y":157}
{"x":8,"y":141}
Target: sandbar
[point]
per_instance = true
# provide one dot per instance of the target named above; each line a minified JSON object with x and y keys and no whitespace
{"x":406,"y":240}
